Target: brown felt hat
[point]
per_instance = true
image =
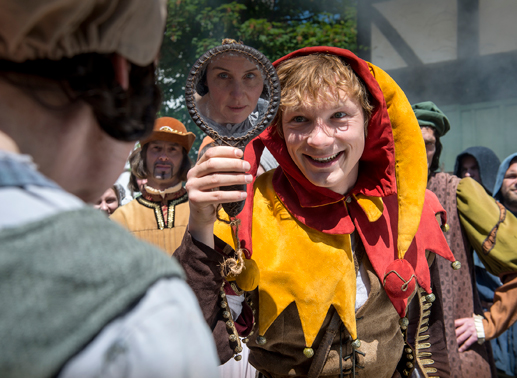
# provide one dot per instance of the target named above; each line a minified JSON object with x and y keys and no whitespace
{"x":56,"y":29}
{"x":171,"y":130}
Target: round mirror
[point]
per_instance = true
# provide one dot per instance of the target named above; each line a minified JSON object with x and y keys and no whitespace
{"x":232,"y":93}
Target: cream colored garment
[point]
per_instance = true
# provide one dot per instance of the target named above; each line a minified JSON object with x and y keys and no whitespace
{"x":141,"y":222}
{"x":56,"y":29}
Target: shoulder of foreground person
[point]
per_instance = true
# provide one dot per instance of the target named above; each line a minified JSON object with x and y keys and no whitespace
{"x":72,"y":274}
{"x":164,"y":335}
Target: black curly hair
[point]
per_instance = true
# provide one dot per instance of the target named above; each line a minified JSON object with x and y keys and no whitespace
{"x":126,"y":115}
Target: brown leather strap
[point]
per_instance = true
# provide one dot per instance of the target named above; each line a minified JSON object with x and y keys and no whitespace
{"x":321,"y":354}
{"x":489,"y":242}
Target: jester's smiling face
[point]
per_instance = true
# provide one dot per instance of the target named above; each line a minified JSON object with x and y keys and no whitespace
{"x":326,"y":141}
{"x":323,"y":117}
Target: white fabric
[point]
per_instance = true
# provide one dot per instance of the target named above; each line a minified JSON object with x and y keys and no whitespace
{"x":235,"y":304}
{"x":416,"y":373}
{"x":163,"y":193}
{"x":163,"y":336}
{"x":480,"y":330}
{"x":32,"y":203}
{"x":362,"y":284}
{"x":238,"y":369}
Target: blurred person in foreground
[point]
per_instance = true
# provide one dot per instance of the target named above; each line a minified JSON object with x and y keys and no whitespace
{"x":459,"y":293}
{"x":160,"y":215}
{"x":81,"y":297}
{"x":491,"y":226}
{"x":331,"y":266}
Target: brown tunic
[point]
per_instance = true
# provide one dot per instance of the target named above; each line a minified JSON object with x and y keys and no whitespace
{"x":459,"y":293}
{"x":503,"y":313}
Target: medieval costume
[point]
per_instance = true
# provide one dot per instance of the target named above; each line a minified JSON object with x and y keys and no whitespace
{"x":160,"y":217}
{"x":77,"y":290}
{"x":492,"y":231}
{"x":488,"y":164}
{"x":335,"y":273}
{"x":64,"y":314}
{"x":459,"y":295}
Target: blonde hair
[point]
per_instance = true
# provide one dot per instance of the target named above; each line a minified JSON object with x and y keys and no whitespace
{"x":315,"y":79}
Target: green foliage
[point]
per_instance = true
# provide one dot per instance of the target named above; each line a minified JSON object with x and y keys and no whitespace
{"x":274,"y":27}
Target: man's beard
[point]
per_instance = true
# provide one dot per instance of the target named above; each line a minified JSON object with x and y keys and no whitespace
{"x":163,"y":174}
{"x":510,"y":201}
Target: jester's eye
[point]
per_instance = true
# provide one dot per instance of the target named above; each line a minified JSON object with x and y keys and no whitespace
{"x":299,"y":119}
{"x":339,"y":115}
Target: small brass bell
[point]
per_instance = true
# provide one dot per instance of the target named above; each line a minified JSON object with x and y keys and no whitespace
{"x":308,"y":352}
{"x":261,"y":340}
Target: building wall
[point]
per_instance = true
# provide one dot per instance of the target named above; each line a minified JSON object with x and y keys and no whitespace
{"x":460,"y":54}
{"x":489,"y":124}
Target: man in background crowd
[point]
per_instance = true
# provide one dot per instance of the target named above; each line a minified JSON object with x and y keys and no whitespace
{"x":135,"y":184}
{"x":110,"y":199}
{"x":77,"y":88}
{"x":160,"y":215}
{"x":491,"y":226}
{"x":459,"y":294}
{"x":480,"y":163}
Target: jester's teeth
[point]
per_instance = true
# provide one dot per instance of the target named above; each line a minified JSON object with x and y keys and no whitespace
{"x":325,"y":160}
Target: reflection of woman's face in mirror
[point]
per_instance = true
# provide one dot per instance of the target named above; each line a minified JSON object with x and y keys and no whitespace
{"x":234,"y":87}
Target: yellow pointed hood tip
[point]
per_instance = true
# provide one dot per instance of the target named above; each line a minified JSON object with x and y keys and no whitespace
{"x":410,"y":159}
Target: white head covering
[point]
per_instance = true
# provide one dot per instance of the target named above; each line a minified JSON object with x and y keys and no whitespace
{"x":56,"y":29}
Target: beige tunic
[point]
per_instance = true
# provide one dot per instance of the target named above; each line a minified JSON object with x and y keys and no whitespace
{"x":161,"y":223}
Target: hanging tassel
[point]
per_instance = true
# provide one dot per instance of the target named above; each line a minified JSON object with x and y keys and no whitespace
{"x":232,"y":267}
